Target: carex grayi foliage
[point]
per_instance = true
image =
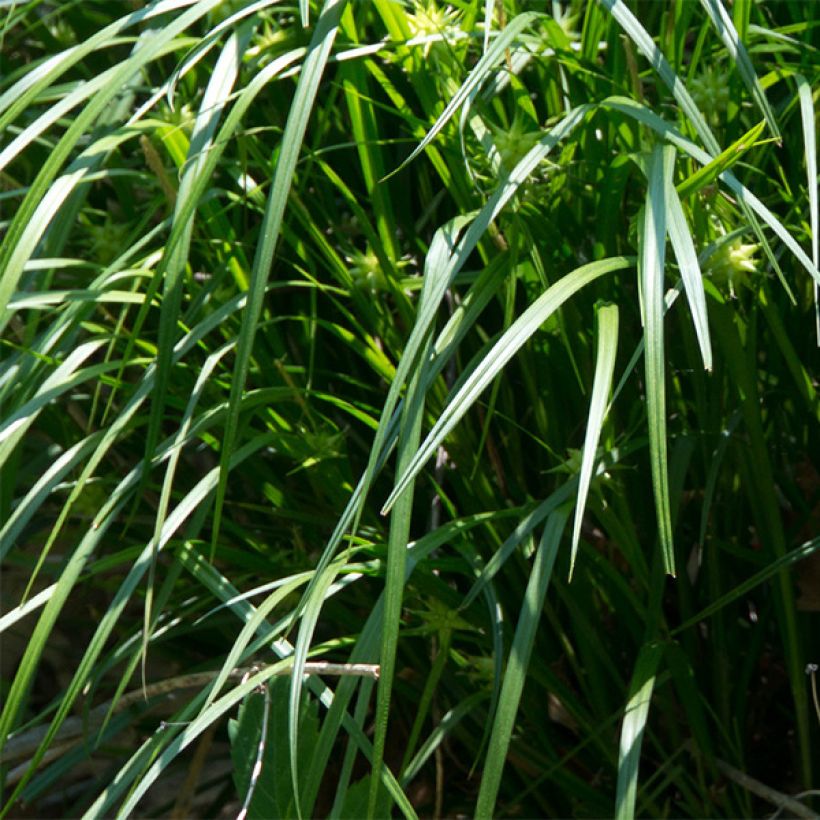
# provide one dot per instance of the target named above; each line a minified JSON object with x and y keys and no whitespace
{"x":408,"y":407}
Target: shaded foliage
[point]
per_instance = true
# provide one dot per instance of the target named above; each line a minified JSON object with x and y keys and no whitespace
{"x":350,"y":333}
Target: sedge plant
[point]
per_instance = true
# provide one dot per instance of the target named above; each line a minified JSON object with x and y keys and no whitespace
{"x":409,"y":408}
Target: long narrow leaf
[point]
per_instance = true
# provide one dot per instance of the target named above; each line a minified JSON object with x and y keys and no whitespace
{"x":300,"y":110}
{"x":24,"y":232}
{"x":646,"y":45}
{"x":506,"y":347}
{"x":807,"y":118}
{"x":687,"y":258}
{"x":635,"y":716}
{"x":409,"y":436}
{"x":737,"y":51}
{"x":213,"y":102}
{"x":651,"y":266}
{"x":659,"y":125}
{"x":447,"y":254}
{"x":520,"y":652}
{"x":607,"y":321}
{"x":480,"y":73}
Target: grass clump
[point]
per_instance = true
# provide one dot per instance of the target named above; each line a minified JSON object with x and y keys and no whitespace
{"x":408,"y":408}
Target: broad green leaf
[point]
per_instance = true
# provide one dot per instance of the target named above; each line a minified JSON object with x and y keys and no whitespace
{"x":261,"y":725}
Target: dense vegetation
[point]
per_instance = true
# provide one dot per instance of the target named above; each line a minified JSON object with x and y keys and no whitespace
{"x":346,"y":336}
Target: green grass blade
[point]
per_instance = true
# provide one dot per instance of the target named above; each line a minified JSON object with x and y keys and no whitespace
{"x":445,"y":726}
{"x":409,"y":436}
{"x":519,"y":535}
{"x":24,"y":91}
{"x":479,"y":74}
{"x":367,"y":644}
{"x":33,"y":215}
{"x":52,"y":115}
{"x":448,"y":252}
{"x":223,"y":589}
{"x":533,"y":518}
{"x":637,"y":711}
{"x":365,"y":127}
{"x":252,"y":625}
{"x":737,"y":51}
{"x":66,"y":376}
{"x":651,"y":268}
{"x":214,"y":101}
{"x":185,"y":738}
{"x":607,"y":326}
{"x":758,"y":466}
{"x":102,"y":522}
{"x":520,"y":652}
{"x":31,"y":605}
{"x":708,"y":174}
{"x":683,"y":246}
{"x":167,"y":486}
{"x":807,"y":118}
{"x":644,"y":115}
{"x":489,"y":9}
{"x":767,"y":573}
{"x":506,"y":347}
{"x":646,"y":45}
{"x":207,"y":163}
{"x":310,"y":616}
{"x":193,"y":730}
{"x":291,"y":146}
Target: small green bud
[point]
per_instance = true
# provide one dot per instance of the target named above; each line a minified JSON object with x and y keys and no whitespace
{"x":366,"y":272}
{"x":710,"y":91}
{"x":732,"y":263}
